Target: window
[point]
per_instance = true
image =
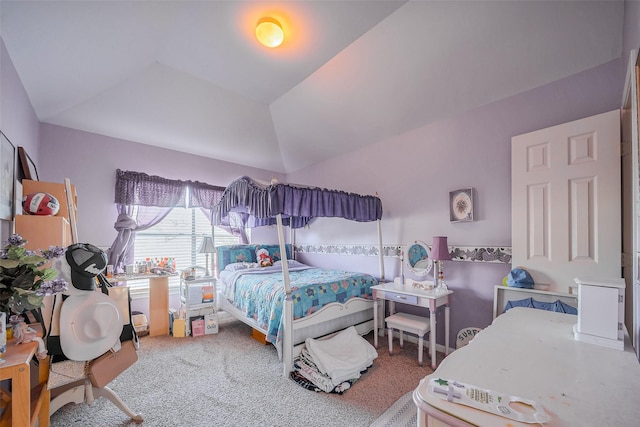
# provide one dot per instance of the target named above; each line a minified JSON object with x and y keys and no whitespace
{"x":177,"y":236}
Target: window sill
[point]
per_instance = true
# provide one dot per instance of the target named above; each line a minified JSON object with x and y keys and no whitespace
{"x":144,"y":293}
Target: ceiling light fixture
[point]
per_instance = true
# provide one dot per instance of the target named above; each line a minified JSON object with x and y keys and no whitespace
{"x":269,"y":32}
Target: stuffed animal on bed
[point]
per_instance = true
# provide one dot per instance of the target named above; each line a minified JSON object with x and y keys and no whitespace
{"x":264,"y":259}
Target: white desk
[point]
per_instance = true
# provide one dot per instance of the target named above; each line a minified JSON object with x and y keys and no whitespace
{"x":407,"y":294}
{"x":532,"y":354}
{"x":158,"y":299}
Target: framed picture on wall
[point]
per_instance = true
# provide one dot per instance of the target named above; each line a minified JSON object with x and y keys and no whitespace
{"x":29,"y":170}
{"x":7,"y":177}
{"x":461,"y":205}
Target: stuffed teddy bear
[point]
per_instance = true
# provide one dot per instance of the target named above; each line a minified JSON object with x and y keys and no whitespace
{"x":263,"y":258}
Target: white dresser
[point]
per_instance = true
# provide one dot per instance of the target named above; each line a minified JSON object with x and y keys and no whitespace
{"x":601,"y":312}
{"x":532,"y":354}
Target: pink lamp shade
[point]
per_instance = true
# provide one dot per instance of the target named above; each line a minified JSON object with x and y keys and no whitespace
{"x":440,"y":249}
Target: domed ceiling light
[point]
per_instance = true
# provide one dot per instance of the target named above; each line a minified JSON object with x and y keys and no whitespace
{"x":269,"y":32}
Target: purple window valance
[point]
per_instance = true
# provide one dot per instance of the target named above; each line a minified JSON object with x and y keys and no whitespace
{"x":298,"y":205}
{"x":137,"y":188}
{"x":203,"y":195}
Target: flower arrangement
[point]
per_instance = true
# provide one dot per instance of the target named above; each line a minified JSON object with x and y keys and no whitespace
{"x":24,"y":279}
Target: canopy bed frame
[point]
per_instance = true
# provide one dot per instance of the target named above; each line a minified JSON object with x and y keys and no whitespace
{"x":260,"y":204}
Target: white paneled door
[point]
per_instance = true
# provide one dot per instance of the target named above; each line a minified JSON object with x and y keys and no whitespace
{"x":631,"y":197}
{"x":565,"y":197}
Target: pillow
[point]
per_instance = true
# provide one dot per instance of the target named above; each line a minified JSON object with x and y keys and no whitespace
{"x":235,"y":254}
{"x":235,"y":266}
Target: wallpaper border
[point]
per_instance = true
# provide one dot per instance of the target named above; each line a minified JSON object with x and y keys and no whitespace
{"x":494,"y":254}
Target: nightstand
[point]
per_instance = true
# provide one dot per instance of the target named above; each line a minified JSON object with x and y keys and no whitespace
{"x":198,"y":299}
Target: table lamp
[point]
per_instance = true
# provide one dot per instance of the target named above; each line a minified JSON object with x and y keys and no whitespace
{"x":439,"y":253}
{"x":207,"y":248}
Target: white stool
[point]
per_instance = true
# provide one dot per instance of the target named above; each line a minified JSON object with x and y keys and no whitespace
{"x":410,"y":323}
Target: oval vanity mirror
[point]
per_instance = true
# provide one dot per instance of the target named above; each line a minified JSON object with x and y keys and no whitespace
{"x":418,"y":258}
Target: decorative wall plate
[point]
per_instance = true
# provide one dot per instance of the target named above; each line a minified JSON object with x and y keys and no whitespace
{"x":461,"y":205}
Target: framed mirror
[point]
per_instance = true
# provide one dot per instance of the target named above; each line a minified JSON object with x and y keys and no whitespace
{"x":417,"y":259}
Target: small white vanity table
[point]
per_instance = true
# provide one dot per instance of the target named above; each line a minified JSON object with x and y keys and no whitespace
{"x":419,"y":263}
{"x":407,"y":294}
{"x":532,"y":354}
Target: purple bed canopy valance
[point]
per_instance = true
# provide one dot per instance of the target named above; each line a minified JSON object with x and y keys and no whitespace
{"x":297,"y":205}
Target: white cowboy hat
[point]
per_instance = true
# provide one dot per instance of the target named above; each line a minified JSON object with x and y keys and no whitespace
{"x":90,"y":324}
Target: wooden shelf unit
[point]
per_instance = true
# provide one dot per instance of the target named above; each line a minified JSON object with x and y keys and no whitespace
{"x":40,"y":232}
{"x":57,"y":190}
{"x":27,"y":404}
{"x":503,"y":294}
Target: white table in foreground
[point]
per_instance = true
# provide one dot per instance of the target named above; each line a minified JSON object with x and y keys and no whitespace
{"x":532,"y":354}
{"x":158,"y":299}
{"x":407,"y":294}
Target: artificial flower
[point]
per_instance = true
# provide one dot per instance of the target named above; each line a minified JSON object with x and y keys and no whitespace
{"x":24,"y":278}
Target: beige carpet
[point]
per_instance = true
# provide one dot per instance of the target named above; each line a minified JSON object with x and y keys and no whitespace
{"x":401,"y":414}
{"x":229,"y":379}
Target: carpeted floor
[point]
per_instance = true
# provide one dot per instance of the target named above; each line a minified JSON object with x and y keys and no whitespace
{"x":230,"y":379}
{"x":401,"y":414}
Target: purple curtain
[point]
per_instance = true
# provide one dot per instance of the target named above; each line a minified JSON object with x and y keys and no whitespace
{"x":137,"y":188}
{"x":206,"y":196}
{"x":298,"y":205}
{"x":298,"y":202}
{"x":242,"y":195}
{"x":203,"y":195}
{"x":130,"y":220}
{"x":236,"y":224}
{"x":135,"y":191}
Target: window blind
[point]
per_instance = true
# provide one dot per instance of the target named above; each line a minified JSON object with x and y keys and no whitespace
{"x":178,"y":236}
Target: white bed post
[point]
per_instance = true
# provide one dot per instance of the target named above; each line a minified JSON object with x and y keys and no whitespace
{"x":381,"y":250}
{"x":292,"y":240}
{"x":214,"y":257}
{"x":287,"y":319}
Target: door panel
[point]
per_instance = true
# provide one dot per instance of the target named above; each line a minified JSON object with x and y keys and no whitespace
{"x":566,"y":201}
{"x":631,"y":198}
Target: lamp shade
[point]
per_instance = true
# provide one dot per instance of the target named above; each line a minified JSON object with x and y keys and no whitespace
{"x":207,"y":246}
{"x":440,"y":249}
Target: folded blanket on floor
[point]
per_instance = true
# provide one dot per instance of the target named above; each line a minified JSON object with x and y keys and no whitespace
{"x":302,"y":381}
{"x":342,"y":356}
{"x":305,"y":366}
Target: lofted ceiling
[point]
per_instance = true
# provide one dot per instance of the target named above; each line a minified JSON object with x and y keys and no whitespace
{"x":190,"y":76}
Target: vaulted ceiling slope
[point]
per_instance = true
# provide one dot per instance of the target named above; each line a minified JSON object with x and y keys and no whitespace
{"x":190,"y":76}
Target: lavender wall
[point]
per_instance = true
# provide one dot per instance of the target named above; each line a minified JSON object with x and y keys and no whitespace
{"x":631,"y":31}
{"x":414,"y":172}
{"x":18,"y":120}
{"x":90,"y":162}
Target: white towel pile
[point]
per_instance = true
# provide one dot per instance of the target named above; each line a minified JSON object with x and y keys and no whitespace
{"x":339,"y":358}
